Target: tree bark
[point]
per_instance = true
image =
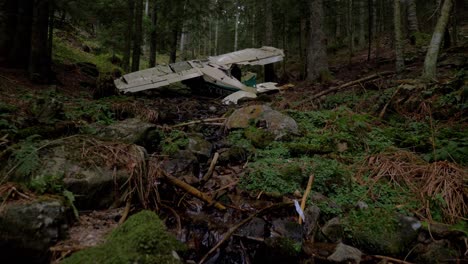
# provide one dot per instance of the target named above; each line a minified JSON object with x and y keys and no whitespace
{"x":412,"y":17}
{"x":153,"y":36}
{"x":20,"y":46}
{"x":317,"y":64}
{"x":173,"y":52}
{"x":138,"y":36}
{"x":400,"y":62}
{"x":39,"y":65}
{"x":350,"y":29}
{"x":269,"y":69}
{"x":430,"y":62}
{"x":128,"y":35}
{"x":362,"y":26}
{"x":236,"y":29}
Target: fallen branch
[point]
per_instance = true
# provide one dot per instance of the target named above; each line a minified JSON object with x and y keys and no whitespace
{"x":382,"y":113}
{"x":392,"y":259}
{"x":233,"y":229}
{"x":306,"y":194}
{"x":200,"y":121}
{"x":208,"y":174}
{"x":333,"y":89}
{"x":194,"y":191}
{"x":124,"y":216}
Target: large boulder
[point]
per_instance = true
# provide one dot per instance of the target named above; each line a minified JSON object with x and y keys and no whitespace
{"x":27,"y":230}
{"x":280,"y":125}
{"x":93,"y":170}
{"x":132,"y":131}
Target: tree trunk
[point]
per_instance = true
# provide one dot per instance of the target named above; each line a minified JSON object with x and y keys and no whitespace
{"x":153,"y":36}
{"x":412,"y":17}
{"x":236,"y":31}
{"x":128,"y":35}
{"x":138,"y":36}
{"x":430,"y":61}
{"x":317,"y":64}
{"x":400,"y":63}
{"x":39,"y":65}
{"x":216,"y":36}
{"x":350,"y":29}
{"x":269,"y":69}
{"x":369,"y":29}
{"x":173,"y":53}
{"x":362,"y":26}
{"x":20,"y":46}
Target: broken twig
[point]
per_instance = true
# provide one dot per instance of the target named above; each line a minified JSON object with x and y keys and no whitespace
{"x":306,"y":194}
{"x":199,"y":121}
{"x":208,"y":174}
{"x":333,"y":89}
{"x":194,"y":191}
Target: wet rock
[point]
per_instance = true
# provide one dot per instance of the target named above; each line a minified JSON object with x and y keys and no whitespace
{"x":233,"y":154}
{"x":255,"y":228}
{"x":278,"y":124}
{"x":132,"y":131}
{"x":345,"y":254}
{"x":284,"y":243}
{"x":184,"y":164}
{"x":199,"y":146}
{"x":312,"y":214}
{"x":27,"y":230}
{"x":333,"y":230}
{"x":438,"y":251}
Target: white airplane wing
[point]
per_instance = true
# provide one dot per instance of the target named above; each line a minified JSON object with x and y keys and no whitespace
{"x":261,"y":56}
{"x":157,"y":77}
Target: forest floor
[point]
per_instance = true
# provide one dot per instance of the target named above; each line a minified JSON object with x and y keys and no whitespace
{"x":378,"y":150}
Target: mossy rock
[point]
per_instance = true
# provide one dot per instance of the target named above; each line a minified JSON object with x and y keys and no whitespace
{"x":259,"y":138}
{"x":142,"y":239}
{"x":379,"y":231}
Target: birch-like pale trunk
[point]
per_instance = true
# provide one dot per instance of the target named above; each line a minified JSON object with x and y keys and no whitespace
{"x":400,"y":62}
{"x":236,"y":31}
{"x":412,"y":17}
{"x":430,"y":62}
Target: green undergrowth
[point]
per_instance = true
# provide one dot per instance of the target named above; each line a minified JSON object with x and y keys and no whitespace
{"x":141,"y":239}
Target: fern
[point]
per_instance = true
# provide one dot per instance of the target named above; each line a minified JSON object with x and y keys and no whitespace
{"x":26,"y":158}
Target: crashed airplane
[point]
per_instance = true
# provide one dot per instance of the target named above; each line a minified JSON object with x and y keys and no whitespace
{"x":218,"y":74}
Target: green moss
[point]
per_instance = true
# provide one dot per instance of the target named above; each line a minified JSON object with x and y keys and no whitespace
{"x":141,"y":239}
{"x":374,"y":230}
{"x":259,"y":138}
{"x":173,"y":142}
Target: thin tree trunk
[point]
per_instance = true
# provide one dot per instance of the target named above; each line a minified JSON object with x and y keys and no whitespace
{"x":412,"y":17}
{"x":236,"y":30}
{"x":317,"y":64}
{"x":153,"y":35}
{"x":369,"y":29}
{"x":173,"y":52}
{"x":50,"y":41}
{"x":128,"y":35}
{"x":430,"y":62}
{"x":400,"y":63}
{"x":138,"y":36}
{"x":350,"y":29}
{"x":269,"y":68}
{"x":147,"y":8}
{"x":362,"y":26}
{"x":20,"y":46}
{"x":216,"y":36}
{"x":39,"y":65}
